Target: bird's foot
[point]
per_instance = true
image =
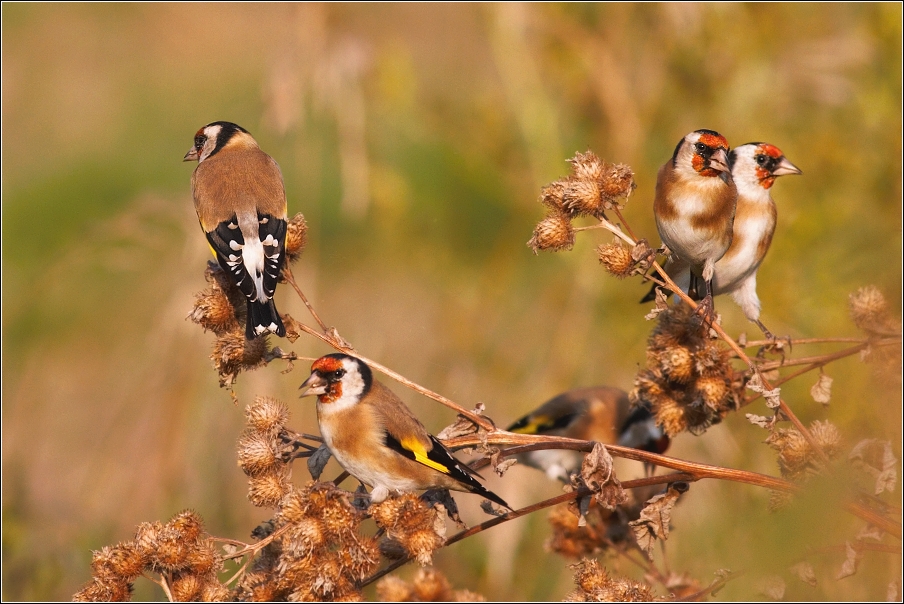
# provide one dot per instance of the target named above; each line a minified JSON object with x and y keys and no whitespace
{"x":705,"y":312}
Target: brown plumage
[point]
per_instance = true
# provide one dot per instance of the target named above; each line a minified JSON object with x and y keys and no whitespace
{"x":598,"y":413}
{"x":375,"y":437}
{"x":695,"y":205}
{"x":241,"y":205}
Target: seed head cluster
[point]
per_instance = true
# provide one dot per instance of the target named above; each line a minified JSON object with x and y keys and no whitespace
{"x":260,"y":451}
{"x":428,"y":585}
{"x":177,"y":548}
{"x":592,"y":187}
{"x":601,"y":530}
{"x":689,"y":383}
{"x":595,"y":584}
{"x":796,"y":458}
{"x":418,"y":528}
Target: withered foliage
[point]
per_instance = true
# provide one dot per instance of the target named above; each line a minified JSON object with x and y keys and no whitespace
{"x":428,"y":585}
{"x":689,"y":383}
{"x":595,"y":584}
{"x":592,"y":187}
{"x":178,"y":548}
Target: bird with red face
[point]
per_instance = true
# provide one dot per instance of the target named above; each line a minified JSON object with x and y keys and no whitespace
{"x":694,"y":208}
{"x":754,"y":168}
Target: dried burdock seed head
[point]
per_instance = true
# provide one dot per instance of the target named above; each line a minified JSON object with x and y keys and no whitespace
{"x":203,"y":560}
{"x":172,"y":550}
{"x":146,"y":536}
{"x":582,"y":198}
{"x":710,"y":359}
{"x":214,"y":311}
{"x":587,"y":166}
{"x":677,"y":364}
{"x":715,"y":392}
{"x":597,"y":585}
{"x":104,"y":591}
{"x":296,"y":237}
{"x":552,"y":233}
{"x":417,"y":527}
{"x":257,"y":586}
{"x":124,"y":561}
{"x":255,"y":453}
{"x":340,"y":519}
{"x":869,"y":311}
{"x":827,"y":437}
{"x":187,"y":524}
{"x":214,"y":591}
{"x":553,"y":195}
{"x":617,"y":181}
{"x":616,"y":259}
{"x":186,"y":587}
{"x":393,"y":589}
{"x":571,"y":540}
{"x":794,"y":454}
{"x":430,"y":585}
{"x":268,"y":489}
{"x":267,"y":415}
{"x":232,"y":353}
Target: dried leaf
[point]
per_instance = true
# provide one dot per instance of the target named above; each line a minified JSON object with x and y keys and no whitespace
{"x":805,"y":572}
{"x":487,"y":507}
{"x":876,"y":458}
{"x":598,"y":474}
{"x":662,"y":305}
{"x":850,"y":563}
{"x":462,"y":426}
{"x":318,"y":460}
{"x":870,"y":532}
{"x":773,"y":397}
{"x":761,"y":420}
{"x":641,"y":251}
{"x":654,"y":520}
{"x":772,"y":587}
{"x":822,"y":389}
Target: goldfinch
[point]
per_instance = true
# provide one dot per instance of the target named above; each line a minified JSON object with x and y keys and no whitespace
{"x":598,"y":413}
{"x":241,"y":204}
{"x":754,"y":168}
{"x":376,"y":438}
{"x":695,"y":205}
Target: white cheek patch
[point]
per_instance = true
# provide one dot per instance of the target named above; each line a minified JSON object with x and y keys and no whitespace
{"x":211,"y":133}
{"x":352,"y":389}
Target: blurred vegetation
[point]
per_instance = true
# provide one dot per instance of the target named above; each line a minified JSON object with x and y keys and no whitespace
{"x":415,"y":140}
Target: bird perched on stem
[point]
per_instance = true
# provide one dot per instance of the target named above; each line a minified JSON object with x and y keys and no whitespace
{"x":241,"y":204}
{"x":754,"y":168}
{"x":695,"y":207}
{"x":376,"y":438}
{"x":598,"y":413}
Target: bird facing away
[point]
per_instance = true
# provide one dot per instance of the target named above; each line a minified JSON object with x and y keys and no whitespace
{"x":376,"y":438}
{"x":695,"y":205}
{"x":241,"y":204}
{"x":599,"y":413}
{"x":754,"y":168}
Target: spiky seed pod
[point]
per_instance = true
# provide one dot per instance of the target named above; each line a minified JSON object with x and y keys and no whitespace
{"x":293,"y":507}
{"x":124,"y":561}
{"x":671,"y":416}
{"x":582,"y":198}
{"x":186,"y":587}
{"x":203,"y":560}
{"x":187,"y":524}
{"x":595,"y":584}
{"x":232,"y":353}
{"x":392,"y":589}
{"x":794,"y":454}
{"x":267,"y":490}
{"x":573,"y":541}
{"x":172,"y":550}
{"x":147,"y":535}
{"x":552,"y":233}
{"x":587,"y":166}
{"x":869,"y":311}
{"x":257,"y":586}
{"x":715,"y":392}
{"x":255,"y":453}
{"x":214,"y":591}
{"x":98,"y":590}
{"x":710,"y":359}
{"x":267,"y":415}
{"x":340,"y":519}
{"x":552,"y":195}
{"x":430,"y":585}
{"x":296,"y":237}
{"x":617,"y":181}
{"x":616,"y":259}
{"x":677,"y":364}
{"x":213,"y":311}
{"x":827,"y":436}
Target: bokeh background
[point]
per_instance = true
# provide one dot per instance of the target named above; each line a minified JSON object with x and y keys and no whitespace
{"x":415,"y":140}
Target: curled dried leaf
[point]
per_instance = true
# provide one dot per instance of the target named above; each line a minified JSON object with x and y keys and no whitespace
{"x":654,"y":520}
{"x":804,"y":571}
{"x":598,"y":474}
{"x":851,"y":561}
{"x":772,"y":587}
{"x":876,"y":458}
{"x":822,"y":389}
{"x":773,"y":396}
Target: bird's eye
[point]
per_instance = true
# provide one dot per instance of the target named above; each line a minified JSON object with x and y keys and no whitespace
{"x":339,"y":373}
{"x":199,"y":141}
{"x":762,"y":159}
{"x":700,"y":147}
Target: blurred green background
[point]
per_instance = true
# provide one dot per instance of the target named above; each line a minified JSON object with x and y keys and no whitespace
{"x":415,"y":140}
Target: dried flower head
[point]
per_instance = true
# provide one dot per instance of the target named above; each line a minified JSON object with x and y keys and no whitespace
{"x":186,"y":587}
{"x":587,"y":166}
{"x":616,"y":259}
{"x":267,"y":415}
{"x":267,"y":490}
{"x":256,"y":453}
{"x":296,"y":237}
{"x":581,"y":198}
{"x":417,"y":527}
{"x":552,"y":233}
{"x":869,"y":311}
{"x":146,"y":536}
{"x":796,"y":458}
{"x":553,"y":196}
{"x":232,"y":354}
{"x":187,"y":524}
{"x":98,"y":590}
{"x":213,"y":311}
{"x":689,"y":383}
{"x":595,"y":584}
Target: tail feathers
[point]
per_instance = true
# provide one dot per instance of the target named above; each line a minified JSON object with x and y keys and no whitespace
{"x":262,"y":319}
